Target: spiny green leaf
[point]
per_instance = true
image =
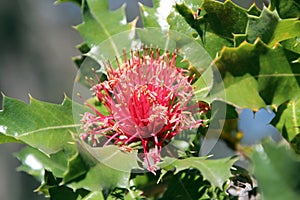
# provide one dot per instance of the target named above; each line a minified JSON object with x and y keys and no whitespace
{"x":273,"y":78}
{"x":270,"y":29}
{"x":276,"y":169}
{"x":42,"y":125}
{"x":215,"y":171}
{"x":224,"y":19}
{"x":262,"y":26}
{"x":99,"y":23}
{"x":190,"y":18}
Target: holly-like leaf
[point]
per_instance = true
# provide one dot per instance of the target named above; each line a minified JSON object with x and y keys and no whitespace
{"x":268,"y":72}
{"x":262,"y":26}
{"x":186,"y":17}
{"x":270,"y":29}
{"x":42,"y":125}
{"x":276,"y":169}
{"x":215,"y":171}
{"x":99,"y":23}
{"x":224,"y":19}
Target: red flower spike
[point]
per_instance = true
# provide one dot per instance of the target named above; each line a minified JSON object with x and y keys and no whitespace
{"x":148,"y":100}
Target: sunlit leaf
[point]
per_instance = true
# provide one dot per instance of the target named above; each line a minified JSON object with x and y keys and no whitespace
{"x":215,"y":171}
{"x":258,"y":73}
{"x":290,"y":119}
{"x":42,"y":125}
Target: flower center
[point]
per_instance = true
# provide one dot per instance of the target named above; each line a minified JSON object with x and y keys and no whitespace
{"x":148,"y":107}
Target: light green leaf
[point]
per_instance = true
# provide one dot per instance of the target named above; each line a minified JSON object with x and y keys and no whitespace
{"x":42,"y":125}
{"x":215,"y":171}
{"x":97,"y":195}
{"x":99,"y":23}
{"x":78,"y":2}
{"x":278,"y":79}
{"x":276,"y":169}
{"x":6,"y":139}
{"x":101,"y":177}
{"x":109,"y":167}
{"x":290,"y":120}
{"x":292,"y":44}
{"x":285,"y":29}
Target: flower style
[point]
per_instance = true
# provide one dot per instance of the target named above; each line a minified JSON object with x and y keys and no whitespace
{"x":148,"y":99}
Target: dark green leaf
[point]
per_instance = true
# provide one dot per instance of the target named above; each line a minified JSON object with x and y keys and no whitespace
{"x":76,"y":169}
{"x":190,"y":18}
{"x":262,"y":26}
{"x":187,"y":185}
{"x":224,"y":19}
{"x":287,"y":8}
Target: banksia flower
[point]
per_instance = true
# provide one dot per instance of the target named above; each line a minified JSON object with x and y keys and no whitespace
{"x":148,"y":99}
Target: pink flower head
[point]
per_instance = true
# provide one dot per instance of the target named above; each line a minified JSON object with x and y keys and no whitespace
{"x":148,"y":100}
